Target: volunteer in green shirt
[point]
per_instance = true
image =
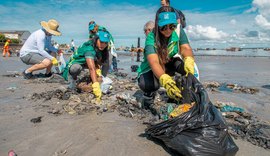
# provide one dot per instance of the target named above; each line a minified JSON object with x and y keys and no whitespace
{"x":92,"y":54}
{"x":93,"y":29}
{"x":159,"y":64}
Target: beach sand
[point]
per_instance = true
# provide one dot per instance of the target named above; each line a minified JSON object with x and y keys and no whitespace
{"x":109,"y":133}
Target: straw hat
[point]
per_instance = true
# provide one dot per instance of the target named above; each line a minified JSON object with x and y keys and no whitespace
{"x":51,"y":26}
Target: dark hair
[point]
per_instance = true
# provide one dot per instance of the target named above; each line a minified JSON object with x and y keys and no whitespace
{"x":168,"y":1}
{"x":104,"y":53}
{"x":161,"y":42}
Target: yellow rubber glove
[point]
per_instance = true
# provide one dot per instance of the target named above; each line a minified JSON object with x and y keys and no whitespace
{"x":54,"y":61}
{"x":169,"y":84}
{"x":98,"y":71}
{"x":189,"y":65}
{"x":97,"y":90}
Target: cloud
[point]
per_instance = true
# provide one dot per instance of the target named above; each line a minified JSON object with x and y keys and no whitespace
{"x":262,"y":22}
{"x":125,"y":21}
{"x":233,"y":21}
{"x":199,"y":32}
{"x":74,"y":17}
{"x":252,"y":34}
{"x":263,"y":8}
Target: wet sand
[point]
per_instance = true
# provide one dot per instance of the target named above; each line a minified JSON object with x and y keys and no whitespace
{"x":109,"y":133}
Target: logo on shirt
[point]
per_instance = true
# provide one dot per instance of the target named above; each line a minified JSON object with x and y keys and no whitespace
{"x":105,"y":35}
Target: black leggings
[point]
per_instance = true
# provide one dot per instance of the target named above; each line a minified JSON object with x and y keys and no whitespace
{"x":148,"y":81}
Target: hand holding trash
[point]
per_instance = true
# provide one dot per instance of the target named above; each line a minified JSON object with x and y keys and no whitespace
{"x":97,"y":90}
{"x":54,"y":61}
{"x":189,"y":65}
{"x":169,"y":84}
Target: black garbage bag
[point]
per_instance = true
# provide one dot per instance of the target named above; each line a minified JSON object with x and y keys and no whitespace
{"x":199,"y":131}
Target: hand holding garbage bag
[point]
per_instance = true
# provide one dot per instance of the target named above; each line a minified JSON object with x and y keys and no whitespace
{"x":169,"y":84}
{"x":199,"y":131}
{"x":189,"y":65}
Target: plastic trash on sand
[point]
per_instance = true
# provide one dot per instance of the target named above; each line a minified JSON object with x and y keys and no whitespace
{"x":106,"y":84}
{"x":231,"y":109}
{"x":61,"y":64}
{"x":181,"y":109}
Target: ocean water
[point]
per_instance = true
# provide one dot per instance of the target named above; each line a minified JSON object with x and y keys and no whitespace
{"x":243,"y":53}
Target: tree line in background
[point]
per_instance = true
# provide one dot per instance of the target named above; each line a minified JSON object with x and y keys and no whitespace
{"x":3,"y":39}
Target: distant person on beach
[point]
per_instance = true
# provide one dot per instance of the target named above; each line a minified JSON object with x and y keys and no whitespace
{"x":6,"y":48}
{"x":72,"y":46}
{"x":179,"y":15}
{"x":39,"y":51}
{"x":148,"y":27}
{"x":159,"y":63}
{"x":93,"y":29}
{"x":92,"y":55}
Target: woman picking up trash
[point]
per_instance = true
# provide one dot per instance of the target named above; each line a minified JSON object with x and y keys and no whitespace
{"x":91,"y":55}
{"x":93,"y":29}
{"x":159,"y":64}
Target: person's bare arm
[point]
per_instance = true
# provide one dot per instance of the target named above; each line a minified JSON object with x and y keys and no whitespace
{"x":155,"y":65}
{"x":185,"y":50}
{"x":92,"y":69}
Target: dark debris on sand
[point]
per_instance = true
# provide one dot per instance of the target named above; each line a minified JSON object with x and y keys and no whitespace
{"x":122,"y":99}
{"x":246,"y":126}
{"x":216,"y":86}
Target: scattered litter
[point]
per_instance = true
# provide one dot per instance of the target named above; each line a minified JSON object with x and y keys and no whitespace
{"x":216,"y":86}
{"x":245,"y":125}
{"x":120,"y":74}
{"x":12,"y":89}
{"x":12,"y":153}
{"x":240,"y":124}
{"x":36,"y":120}
{"x":134,"y":68}
{"x":231,"y":109}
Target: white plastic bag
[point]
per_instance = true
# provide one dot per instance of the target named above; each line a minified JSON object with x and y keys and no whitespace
{"x":106,"y":84}
{"x":61,"y":63}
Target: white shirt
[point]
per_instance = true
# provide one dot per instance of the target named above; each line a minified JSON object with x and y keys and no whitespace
{"x":38,"y":42}
{"x":56,"y":46}
{"x":72,"y":44}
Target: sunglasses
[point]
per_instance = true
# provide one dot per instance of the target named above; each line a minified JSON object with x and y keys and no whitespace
{"x":165,"y":27}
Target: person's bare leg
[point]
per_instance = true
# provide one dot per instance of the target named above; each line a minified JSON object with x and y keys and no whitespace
{"x":49,"y":68}
{"x":8,"y":53}
{"x":44,"y":64}
{"x":4,"y":52}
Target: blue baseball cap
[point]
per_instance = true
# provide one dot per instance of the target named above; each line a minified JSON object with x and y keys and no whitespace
{"x":165,"y":18}
{"x":104,"y":36}
{"x":92,"y":26}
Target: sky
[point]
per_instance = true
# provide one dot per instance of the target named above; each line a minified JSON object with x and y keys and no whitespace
{"x":210,"y":23}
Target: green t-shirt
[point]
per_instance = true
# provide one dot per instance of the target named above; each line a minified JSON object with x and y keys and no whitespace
{"x":86,"y":50}
{"x":150,"y":48}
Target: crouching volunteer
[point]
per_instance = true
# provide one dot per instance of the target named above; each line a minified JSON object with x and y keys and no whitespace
{"x":91,"y":55}
{"x":39,"y":51}
{"x":159,"y":63}
{"x":93,"y":29}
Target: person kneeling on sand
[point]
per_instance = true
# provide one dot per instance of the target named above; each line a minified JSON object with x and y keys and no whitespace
{"x":39,"y":51}
{"x":93,"y":29}
{"x":159,"y":63}
{"x":91,"y":55}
